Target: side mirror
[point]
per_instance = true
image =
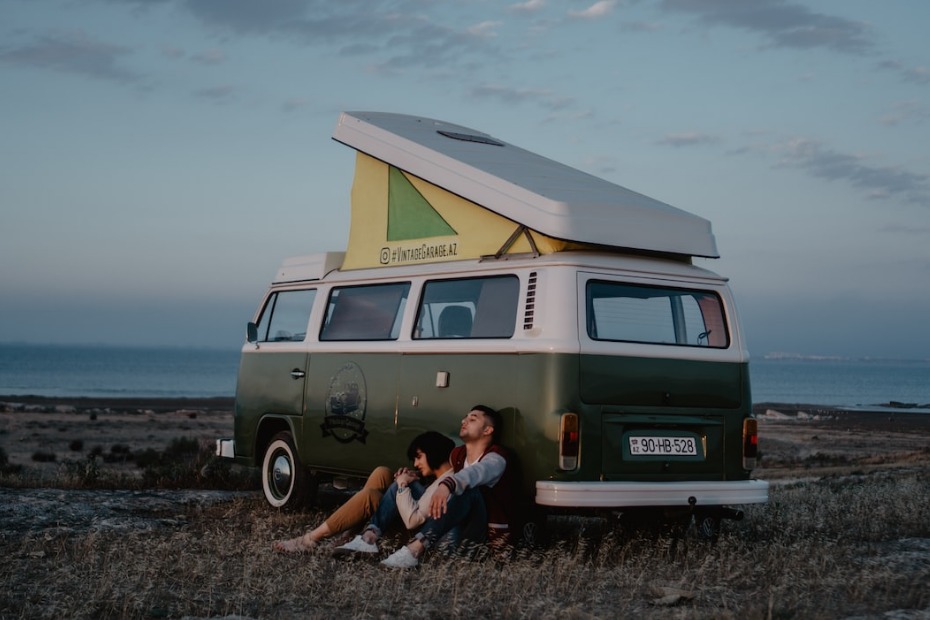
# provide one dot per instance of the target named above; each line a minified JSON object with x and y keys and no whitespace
{"x":251,"y":331}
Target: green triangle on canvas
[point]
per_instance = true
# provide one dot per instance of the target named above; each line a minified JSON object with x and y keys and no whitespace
{"x":410,"y":215}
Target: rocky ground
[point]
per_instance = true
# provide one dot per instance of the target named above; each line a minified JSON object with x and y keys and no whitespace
{"x":796,"y":442}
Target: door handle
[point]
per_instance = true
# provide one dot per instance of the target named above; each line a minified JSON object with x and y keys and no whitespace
{"x":297,"y":373}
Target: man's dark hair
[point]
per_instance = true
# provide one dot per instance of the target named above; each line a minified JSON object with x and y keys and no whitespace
{"x":434,"y":446}
{"x":497,"y":421}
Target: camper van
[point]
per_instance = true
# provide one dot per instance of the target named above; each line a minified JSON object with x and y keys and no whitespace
{"x":478,"y":272}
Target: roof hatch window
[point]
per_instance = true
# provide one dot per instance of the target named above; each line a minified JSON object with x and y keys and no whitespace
{"x":470,"y":137}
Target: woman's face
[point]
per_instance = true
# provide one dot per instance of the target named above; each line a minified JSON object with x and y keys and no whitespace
{"x":421,"y":465}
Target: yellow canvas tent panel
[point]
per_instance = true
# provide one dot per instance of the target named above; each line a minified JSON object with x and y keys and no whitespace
{"x":420,"y":222}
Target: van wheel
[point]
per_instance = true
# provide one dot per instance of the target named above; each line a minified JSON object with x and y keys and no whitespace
{"x":284,"y":480}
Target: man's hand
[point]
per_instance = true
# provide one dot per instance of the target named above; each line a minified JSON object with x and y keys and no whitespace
{"x":439,"y":501}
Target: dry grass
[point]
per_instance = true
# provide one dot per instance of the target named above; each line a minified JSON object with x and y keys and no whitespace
{"x":851,"y":540}
{"x":855,"y":546}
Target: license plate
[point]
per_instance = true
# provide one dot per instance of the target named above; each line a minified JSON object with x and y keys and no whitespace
{"x":663,"y":446}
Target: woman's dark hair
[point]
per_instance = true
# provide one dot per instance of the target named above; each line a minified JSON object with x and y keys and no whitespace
{"x":497,"y":421}
{"x":434,"y":446}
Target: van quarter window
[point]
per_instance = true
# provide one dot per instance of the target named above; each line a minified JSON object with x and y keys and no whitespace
{"x":365,"y":312}
{"x":468,"y":308}
{"x":285,"y":316}
{"x":655,"y":315}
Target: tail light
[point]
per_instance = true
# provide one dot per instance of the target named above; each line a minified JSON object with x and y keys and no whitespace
{"x":750,"y":442}
{"x":569,"y":441}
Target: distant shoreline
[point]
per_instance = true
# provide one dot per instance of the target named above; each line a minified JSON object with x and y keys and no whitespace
{"x":171,"y":403}
{"x":157,"y":404}
{"x":867,"y":419}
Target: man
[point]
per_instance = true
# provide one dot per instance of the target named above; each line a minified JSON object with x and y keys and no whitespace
{"x":481,"y":491}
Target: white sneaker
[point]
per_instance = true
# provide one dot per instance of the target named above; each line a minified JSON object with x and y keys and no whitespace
{"x":356,"y":545}
{"x":402,"y":558}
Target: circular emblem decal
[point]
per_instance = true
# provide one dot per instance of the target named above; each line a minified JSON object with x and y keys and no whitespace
{"x":346,"y":401}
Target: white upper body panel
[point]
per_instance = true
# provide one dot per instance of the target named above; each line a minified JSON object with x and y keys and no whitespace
{"x":559,"y":307}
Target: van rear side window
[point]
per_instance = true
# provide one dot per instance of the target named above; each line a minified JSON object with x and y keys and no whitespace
{"x":365,"y":312}
{"x":285,"y":316}
{"x":655,"y":315}
{"x":468,"y":308}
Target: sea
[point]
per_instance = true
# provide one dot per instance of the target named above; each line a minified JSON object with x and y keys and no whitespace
{"x":126,"y":372}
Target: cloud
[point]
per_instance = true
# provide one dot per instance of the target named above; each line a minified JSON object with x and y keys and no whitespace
{"x":595,"y":11}
{"x":691,"y":138}
{"x":310,"y":21}
{"x":509,"y":95}
{"x":217,"y":94}
{"x":249,"y":17}
{"x":530,"y":6}
{"x":73,"y":52}
{"x":172,"y":52}
{"x":210,"y":57}
{"x":640,"y":27}
{"x":295,"y":105}
{"x":784,"y":23}
{"x":881,"y":181}
{"x":899,"y":229}
{"x":421,"y":42}
{"x":914,"y":75}
{"x":915,"y":112}
{"x":918,"y":75}
{"x":398,"y":35}
{"x":484,"y":29}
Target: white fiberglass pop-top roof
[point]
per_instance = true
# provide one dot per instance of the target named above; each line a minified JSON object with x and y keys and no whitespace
{"x":542,"y":194}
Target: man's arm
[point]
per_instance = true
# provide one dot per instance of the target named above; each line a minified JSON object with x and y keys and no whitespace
{"x":485,"y":472}
{"x":414,"y":512}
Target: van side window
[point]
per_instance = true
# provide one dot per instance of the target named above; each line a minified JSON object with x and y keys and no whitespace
{"x":468,"y":308}
{"x":656,"y":315}
{"x":285,"y":316}
{"x":365,"y":312}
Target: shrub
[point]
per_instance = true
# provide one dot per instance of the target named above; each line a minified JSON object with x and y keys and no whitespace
{"x":76,"y":445}
{"x":182,"y":446}
{"x":43,"y":457}
{"x":148,"y":458}
{"x":118,"y":454}
{"x":85,"y":472}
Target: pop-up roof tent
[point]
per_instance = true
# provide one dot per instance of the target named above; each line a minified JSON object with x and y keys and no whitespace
{"x":428,"y":191}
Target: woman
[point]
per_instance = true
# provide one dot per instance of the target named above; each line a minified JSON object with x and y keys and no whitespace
{"x":430,"y":455}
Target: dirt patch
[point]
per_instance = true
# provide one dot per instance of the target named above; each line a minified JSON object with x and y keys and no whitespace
{"x":56,"y":512}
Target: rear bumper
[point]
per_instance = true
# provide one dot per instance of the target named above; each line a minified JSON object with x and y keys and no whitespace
{"x":641,"y":494}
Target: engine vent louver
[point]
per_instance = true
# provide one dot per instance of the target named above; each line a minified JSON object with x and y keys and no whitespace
{"x":530,"y":310}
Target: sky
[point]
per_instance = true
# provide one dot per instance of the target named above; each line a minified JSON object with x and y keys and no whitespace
{"x":159,"y":158}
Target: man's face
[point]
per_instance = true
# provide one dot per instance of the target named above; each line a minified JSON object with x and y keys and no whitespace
{"x":475,"y":425}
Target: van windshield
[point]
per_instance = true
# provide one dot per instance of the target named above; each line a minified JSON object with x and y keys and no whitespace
{"x":656,"y":315}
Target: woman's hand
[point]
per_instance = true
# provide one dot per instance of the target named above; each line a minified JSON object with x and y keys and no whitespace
{"x":404,"y":476}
